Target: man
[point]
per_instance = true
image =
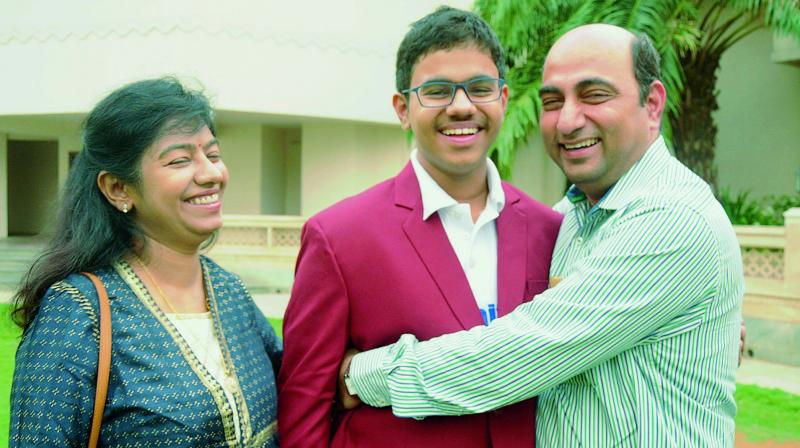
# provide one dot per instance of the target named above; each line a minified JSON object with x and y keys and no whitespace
{"x":636,"y":345}
{"x":442,"y":247}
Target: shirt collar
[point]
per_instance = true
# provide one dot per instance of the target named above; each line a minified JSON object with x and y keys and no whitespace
{"x":633,"y":183}
{"x":434,"y":198}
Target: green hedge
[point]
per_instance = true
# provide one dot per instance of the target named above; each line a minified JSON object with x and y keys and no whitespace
{"x":742,"y":209}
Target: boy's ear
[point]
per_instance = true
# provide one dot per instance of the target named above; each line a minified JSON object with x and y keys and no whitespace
{"x":400,"y":104}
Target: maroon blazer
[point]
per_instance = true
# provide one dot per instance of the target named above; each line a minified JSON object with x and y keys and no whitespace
{"x":369,"y":270}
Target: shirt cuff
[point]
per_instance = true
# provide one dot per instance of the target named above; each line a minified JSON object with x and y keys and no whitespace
{"x":368,"y":378}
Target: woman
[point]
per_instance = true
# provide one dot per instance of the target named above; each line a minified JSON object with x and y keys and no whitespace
{"x":193,"y":359}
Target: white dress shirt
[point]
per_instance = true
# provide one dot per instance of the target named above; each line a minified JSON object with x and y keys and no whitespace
{"x":475,"y":244}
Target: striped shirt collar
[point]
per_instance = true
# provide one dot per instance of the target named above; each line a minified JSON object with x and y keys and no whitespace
{"x":434,"y":198}
{"x":633,"y":183}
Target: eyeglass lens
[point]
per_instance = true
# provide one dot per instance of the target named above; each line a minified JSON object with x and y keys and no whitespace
{"x":442,"y":93}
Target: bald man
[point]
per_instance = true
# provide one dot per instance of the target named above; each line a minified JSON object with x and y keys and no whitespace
{"x":636,"y":343}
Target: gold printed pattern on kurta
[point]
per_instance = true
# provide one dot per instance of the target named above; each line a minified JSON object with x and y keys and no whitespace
{"x":159,"y":393}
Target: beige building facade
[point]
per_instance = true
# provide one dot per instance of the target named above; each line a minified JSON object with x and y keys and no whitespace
{"x":303,"y":97}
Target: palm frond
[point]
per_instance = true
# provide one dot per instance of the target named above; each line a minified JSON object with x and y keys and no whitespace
{"x":527,"y":29}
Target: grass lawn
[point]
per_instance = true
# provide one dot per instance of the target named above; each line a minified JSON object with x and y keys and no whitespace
{"x":764,"y":414}
{"x":277,"y":324}
{"x":9,"y":338}
{"x":767,"y":414}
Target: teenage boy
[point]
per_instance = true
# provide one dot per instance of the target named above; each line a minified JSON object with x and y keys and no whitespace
{"x":443,"y":246}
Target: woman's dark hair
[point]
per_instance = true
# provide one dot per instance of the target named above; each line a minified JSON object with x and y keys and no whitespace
{"x":89,"y":232}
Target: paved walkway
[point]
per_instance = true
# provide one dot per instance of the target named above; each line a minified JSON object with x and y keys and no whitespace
{"x":272,"y":305}
{"x":767,"y":374}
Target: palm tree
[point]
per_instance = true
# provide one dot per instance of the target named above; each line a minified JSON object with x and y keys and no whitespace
{"x":527,"y":29}
{"x":721,"y":25}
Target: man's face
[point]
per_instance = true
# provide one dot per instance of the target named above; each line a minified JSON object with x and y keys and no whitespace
{"x":453,"y":140}
{"x":592,"y":123}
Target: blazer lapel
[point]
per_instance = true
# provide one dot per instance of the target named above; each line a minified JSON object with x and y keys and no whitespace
{"x":431,"y":244}
{"x":511,"y":255}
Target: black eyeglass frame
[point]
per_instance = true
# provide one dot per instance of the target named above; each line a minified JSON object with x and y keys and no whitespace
{"x":458,"y":85}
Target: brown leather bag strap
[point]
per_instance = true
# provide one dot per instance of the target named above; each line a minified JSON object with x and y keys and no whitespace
{"x":104,"y":359}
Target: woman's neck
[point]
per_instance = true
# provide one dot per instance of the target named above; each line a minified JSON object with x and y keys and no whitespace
{"x":174,"y":278}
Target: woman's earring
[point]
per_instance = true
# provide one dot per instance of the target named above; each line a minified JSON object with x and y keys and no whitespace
{"x":124,"y":207}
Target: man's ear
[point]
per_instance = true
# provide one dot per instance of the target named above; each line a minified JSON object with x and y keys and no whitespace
{"x":115,"y":191}
{"x":400,"y":104}
{"x":655,"y":103}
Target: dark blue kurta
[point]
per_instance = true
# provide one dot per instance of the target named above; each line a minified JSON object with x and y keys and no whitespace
{"x":159,"y":393}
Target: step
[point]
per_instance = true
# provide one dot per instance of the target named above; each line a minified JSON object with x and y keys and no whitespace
{"x":12,"y":265}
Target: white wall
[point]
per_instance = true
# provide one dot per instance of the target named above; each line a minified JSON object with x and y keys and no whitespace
{"x":312,"y":58}
{"x":758,"y":145}
{"x":3,"y":185}
{"x":240,"y":146}
{"x":340,"y":159}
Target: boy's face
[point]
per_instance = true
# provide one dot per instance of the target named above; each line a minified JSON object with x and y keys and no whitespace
{"x":452,"y":140}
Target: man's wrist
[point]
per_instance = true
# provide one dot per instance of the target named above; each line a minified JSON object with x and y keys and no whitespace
{"x":348,"y":384}
{"x":366,"y":377}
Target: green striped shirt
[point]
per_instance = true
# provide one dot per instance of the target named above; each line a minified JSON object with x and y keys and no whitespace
{"x":636,"y":346}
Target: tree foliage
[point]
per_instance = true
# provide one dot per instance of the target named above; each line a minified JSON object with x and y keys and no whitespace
{"x":527,"y":29}
{"x":720,"y":26}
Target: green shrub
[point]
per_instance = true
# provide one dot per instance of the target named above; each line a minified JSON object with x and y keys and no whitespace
{"x":744,"y":210}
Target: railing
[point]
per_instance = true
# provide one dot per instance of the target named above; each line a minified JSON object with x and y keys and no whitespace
{"x":771,"y":257}
{"x":771,"y":254}
{"x":262,"y":249}
{"x":260,"y":234}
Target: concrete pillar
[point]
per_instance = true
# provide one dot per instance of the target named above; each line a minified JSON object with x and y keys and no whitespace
{"x":791,"y":253}
{"x":273,"y":171}
{"x":3,"y":185}
{"x":67,"y":143}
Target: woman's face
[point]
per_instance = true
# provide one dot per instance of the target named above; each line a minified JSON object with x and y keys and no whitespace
{"x":180,"y":198}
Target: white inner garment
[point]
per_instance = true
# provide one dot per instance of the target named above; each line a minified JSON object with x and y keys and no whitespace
{"x":198,"y":331}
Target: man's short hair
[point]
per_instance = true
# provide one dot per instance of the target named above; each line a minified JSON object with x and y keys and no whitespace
{"x":444,"y":29}
{"x":646,"y":65}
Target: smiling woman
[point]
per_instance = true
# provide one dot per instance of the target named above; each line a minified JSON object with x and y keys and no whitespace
{"x":193,"y":359}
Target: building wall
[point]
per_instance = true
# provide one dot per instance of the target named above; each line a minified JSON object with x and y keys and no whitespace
{"x":340,"y":159}
{"x":67,"y":144}
{"x":240,"y":146}
{"x":328,"y":83}
{"x":273,"y":170}
{"x":32,"y":185}
{"x":536,"y":174}
{"x":758,"y":146}
{"x":3,"y":185}
{"x":306,"y":58}
{"x":293,"y":172}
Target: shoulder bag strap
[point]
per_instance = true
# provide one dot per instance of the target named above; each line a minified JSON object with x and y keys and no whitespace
{"x":104,"y":359}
